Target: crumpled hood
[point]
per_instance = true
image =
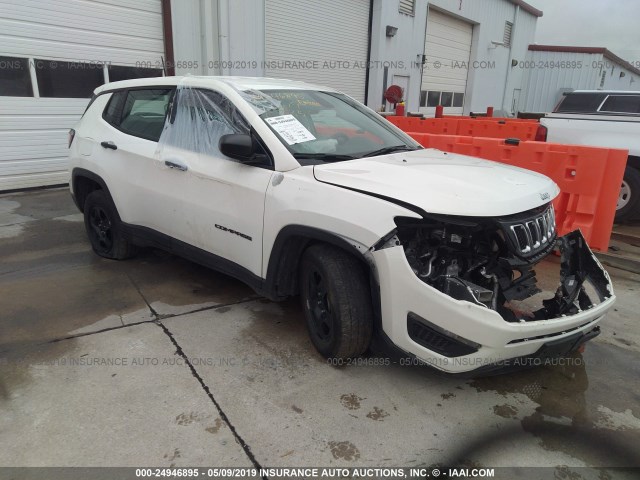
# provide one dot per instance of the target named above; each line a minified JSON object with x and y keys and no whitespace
{"x":443,"y":183}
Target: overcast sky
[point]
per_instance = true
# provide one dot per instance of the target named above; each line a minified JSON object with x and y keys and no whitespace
{"x":612,"y":24}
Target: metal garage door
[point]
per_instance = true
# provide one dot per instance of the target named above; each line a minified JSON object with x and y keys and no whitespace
{"x":324,"y":33}
{"x":447,"y":48}
{"x":52,"y":54}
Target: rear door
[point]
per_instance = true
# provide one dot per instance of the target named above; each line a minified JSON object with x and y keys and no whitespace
{"x":144,"y":193}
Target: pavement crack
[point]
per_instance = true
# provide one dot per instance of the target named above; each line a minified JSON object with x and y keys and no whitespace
{"x":205,"y":387}
{"x":161,"y":316}
{"x":135,"y":285}
{"x":87,"y":334}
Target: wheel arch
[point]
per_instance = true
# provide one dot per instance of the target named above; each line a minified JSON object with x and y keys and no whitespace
{"x":634,"y":161}
{"x":84,"y":182}
{"x":282,"y":271}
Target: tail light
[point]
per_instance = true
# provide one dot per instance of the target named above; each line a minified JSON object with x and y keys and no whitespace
{"x":72,"y":134}
{"x":541,"y":134}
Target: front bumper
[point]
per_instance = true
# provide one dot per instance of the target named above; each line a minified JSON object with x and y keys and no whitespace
{"x":492,"y":341}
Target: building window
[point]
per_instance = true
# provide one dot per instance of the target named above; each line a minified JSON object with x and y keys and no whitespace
{"x":15,"y":80}
{"x":446,"y":99}
{"x":119,"y":72}
{"x":423,"y":98}
{"x":68,"y":79}
{"x":407,"y":7}
{"x":433,"y":99}
{"x":508,"y":30}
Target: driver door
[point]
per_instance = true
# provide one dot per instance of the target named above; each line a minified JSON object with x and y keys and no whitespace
{"x":222,"y":199}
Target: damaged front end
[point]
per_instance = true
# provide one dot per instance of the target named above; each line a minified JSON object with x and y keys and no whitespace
{"x":490,"y":262}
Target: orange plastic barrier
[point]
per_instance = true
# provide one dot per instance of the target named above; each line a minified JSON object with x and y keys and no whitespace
{"x":498,"y":129}
{"x":477,"y":127}
{"x":506,"y":119}
{"x":589,"y":177}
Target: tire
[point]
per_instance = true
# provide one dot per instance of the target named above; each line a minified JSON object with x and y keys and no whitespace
{"x":629,"y":202}
{"x":104,"y":229}
{"x":336,"y":299}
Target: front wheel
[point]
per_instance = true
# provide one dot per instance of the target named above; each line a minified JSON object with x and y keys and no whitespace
{"x":628,"y":206}
{"x":336,"y":299}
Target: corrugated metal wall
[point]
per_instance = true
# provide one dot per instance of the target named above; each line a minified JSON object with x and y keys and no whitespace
{"x":327,"y":31}
{"x":544,"y":83}
{"x":33,"y":140}
{"x":33,"y":131}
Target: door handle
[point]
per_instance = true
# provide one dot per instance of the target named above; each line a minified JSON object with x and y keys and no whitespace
{"x":176,"y":165}
{"x":109,"y":144}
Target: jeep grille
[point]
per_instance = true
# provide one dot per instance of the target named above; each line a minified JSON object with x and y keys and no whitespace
{"x":533,"y":235}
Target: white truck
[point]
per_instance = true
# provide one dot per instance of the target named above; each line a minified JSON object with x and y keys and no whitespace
{"x":603,"y":119}
{"x":298,"y":189}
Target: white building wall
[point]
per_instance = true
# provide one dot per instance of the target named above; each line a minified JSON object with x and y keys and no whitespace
{"x":549,"y":74}
{"x":613,"y":81}
{"x":524,"y":31}
{"x":491,"y":79}
{"x":246,"y":19}
{"x":122,"y":32}
{"x":232,"y":42}
{"x":544,"y":84}
{"x":333,"y":50}
{"x":401,"y":54}
{"x":190,"y":21}
{"x":218,"y":37}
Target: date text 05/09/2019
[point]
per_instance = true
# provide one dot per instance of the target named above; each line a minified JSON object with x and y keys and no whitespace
{"x":313,"y":472}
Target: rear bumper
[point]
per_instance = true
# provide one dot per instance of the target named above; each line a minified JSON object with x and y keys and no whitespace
{"x":465,"y":337}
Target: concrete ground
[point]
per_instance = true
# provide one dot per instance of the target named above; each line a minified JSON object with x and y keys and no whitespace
{"x":157,"y":361}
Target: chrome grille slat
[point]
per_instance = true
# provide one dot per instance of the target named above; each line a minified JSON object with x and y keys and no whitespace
{"x":533,"y":235}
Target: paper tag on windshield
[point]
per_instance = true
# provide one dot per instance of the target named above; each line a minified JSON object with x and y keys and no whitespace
{"x":290,"y":128}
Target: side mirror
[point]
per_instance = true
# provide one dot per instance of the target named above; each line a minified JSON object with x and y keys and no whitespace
{"x":237,"y":146}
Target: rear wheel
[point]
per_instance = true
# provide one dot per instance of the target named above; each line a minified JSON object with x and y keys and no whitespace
{"x":104,"y":228}
{"x":336,"y":299}
{"x":628,"y":206}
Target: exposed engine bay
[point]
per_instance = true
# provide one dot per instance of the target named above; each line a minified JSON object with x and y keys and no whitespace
{"x":490,"y":262}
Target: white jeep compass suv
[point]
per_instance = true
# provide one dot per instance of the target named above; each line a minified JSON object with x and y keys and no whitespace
{"x":298,"y":189}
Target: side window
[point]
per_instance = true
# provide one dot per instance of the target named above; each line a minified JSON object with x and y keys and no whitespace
{"x":199,"y":118}
{"x":580,"y":103}
{"x":622,"y":104}
{"x":144,"y":111}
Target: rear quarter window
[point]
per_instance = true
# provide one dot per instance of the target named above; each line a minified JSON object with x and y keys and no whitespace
{"x":113,"y":109}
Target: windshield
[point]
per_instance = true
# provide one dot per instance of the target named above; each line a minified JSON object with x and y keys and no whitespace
{"x":321,"y":127}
